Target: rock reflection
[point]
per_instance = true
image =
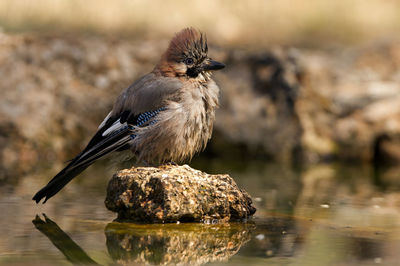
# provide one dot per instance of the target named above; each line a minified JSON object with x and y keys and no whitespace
{"x":322,"y":215}
{"x":187,"y":244}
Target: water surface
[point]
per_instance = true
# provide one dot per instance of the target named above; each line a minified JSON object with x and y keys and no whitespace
{"x":318,"y":215}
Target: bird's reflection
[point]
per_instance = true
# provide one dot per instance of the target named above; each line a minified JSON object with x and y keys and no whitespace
{"x":74,"y":253}
{"x":156,"y":243}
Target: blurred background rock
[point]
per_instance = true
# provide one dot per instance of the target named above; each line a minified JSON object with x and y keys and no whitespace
{"x":306,"y":81}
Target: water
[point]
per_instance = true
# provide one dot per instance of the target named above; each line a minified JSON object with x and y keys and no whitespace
{"x":318,"y":215}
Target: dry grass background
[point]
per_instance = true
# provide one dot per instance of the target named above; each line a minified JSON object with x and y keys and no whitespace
{"x":230,"y":22}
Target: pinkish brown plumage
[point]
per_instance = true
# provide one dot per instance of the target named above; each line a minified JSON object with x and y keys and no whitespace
{"x":165,"y":116}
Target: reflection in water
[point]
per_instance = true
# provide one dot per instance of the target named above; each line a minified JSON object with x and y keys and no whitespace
{"x":275,"y":239}
{"x":62,"y":241}
{"x":319,"y":215}
{"x":188,"y":244}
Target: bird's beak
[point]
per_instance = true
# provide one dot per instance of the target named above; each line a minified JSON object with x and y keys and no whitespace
{"x":212,"y":65}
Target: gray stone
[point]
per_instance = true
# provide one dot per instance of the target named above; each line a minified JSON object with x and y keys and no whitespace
{"x":176,"y":193}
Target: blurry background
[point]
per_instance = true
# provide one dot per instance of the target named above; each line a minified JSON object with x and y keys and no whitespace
{"x":229,"y":23}
{"x":306,"y":81}
{"x":309,"y":121}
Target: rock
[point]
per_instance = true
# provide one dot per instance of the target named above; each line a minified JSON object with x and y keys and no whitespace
{"x":259,"y":92}
{"x":176,"y":193}
{"x":350,"y":98}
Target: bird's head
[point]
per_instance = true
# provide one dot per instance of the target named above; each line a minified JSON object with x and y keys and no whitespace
{"x":187,"y":57}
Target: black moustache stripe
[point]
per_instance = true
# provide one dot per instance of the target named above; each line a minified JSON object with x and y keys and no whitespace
{"x":193,"y":72}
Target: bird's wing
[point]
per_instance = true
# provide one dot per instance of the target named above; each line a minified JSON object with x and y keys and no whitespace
{"x":136,"y":106}
{"x":149,"y":93}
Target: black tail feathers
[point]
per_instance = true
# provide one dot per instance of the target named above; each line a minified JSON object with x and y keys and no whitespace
{"x":98,"y":147}
{"x":57,"y":183}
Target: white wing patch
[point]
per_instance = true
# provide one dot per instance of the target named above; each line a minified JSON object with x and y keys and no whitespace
{"x":114,"y":127}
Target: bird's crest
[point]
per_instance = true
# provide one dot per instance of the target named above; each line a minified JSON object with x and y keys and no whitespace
{"x":187,"y":42}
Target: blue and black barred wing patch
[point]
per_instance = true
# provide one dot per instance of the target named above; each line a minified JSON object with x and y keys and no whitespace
{"x":147,"y":118}
{"x":129,"y":121}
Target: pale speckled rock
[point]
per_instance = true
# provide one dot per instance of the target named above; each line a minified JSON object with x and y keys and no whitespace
{"x":176,"y":193}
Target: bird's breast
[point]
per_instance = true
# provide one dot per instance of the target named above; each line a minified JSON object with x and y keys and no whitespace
{"x":199,"y":104}
{"x":184,"y":128}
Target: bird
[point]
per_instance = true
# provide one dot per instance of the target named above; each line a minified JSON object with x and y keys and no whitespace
{"x":166,"y":116}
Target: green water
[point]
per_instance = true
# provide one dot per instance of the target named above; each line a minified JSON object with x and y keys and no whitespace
{"x":317,"y":215}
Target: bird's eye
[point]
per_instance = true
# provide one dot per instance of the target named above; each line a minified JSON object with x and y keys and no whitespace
{"x":189,"y":61}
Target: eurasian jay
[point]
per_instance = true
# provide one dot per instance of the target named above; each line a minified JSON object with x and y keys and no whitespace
{"x":165,"y":116}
